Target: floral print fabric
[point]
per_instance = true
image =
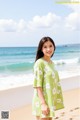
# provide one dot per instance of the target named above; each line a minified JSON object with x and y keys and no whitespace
{"x":46,"y":76}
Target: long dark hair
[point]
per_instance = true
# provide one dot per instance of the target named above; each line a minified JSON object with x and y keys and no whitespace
{"x":39,"y":49}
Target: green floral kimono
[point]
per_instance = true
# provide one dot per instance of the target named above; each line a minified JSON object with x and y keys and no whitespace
{"x":46,"y":76}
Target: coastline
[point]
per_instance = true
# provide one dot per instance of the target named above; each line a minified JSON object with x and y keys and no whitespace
{"x":69,"y":82}
{"x":17,"y":100}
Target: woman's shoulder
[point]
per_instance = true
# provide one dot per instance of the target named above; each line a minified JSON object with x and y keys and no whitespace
{"x":39,"y":62}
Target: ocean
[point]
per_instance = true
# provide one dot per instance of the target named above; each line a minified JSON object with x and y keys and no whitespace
{"x":16,"y":64}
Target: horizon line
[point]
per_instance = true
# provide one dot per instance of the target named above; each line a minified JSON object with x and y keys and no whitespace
{"x":36,"y":45}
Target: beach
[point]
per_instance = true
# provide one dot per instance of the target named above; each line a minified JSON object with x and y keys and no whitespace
{"x":16,"y":79}
{"x":23,"y":25}
{"x":17,"y":101}
{"x":70,"y":112}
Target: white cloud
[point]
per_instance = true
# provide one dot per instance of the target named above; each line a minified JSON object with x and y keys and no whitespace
{"x":73,"y":21}
{"x":46,"y":21}
{"x":51,"y":20}
{"x":22,"y":26}
{"x":7,"y":25}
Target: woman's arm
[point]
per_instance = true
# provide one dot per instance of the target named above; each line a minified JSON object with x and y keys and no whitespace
{"x":40,"y":94}
{"x":44,"y":107}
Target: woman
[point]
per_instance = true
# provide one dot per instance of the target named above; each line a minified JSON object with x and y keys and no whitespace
{"x":47,"y":90}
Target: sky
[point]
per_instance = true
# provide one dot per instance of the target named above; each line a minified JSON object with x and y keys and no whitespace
{"x":25,"y":22}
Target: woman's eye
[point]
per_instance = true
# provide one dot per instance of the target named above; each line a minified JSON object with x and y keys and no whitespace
{"x":50,"y":45}
{"x":45,"y":47}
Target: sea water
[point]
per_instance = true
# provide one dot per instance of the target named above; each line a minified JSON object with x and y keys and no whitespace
{"x":16,"y":64}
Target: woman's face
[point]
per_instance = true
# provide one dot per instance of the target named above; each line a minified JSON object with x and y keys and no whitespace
{"x":48,"y":49}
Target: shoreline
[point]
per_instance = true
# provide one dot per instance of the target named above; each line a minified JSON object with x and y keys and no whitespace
{"x":69,"y":82}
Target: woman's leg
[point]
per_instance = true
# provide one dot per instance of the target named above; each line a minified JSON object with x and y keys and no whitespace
{"x":44,"y":119}
{"x":49,"y":118}
{"x":37,"y":118}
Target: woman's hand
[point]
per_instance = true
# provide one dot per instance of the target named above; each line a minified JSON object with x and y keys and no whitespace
{"x":45,"y":109}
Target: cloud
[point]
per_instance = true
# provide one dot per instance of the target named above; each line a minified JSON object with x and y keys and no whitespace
{"x":7,"y":25}
{"x":46,"y":21}
{"x":73,"y":21}
{"x":22,"y":26}
{"x":51,"y":20}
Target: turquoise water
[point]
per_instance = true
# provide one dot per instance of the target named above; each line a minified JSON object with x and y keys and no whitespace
{"x":21,"y":59}
{"x":16,"y":65}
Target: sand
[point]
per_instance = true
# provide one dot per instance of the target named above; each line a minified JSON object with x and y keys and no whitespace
{"x":70,"y":112}
{"x":17,"y":101}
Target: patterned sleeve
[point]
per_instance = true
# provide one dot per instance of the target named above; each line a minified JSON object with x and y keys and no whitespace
{"x":38,"y":74}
